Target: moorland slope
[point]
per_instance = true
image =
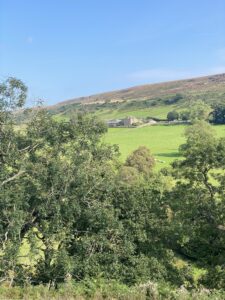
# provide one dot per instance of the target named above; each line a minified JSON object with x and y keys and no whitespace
{"x":153,"y":100}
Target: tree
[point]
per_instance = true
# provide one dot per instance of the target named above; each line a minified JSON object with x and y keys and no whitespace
{"x":199,"y":111}
{"x":13,"y":159}
{"x":172,"y":115}
{"x":196,"y":201}
{"x":218,"y":114}
{"x":129,"y":175}
{"x":32,"y":161}
{"x":142,"y":160}
{"x":13,"y":94}
{"x":174,"y":99}
{"x":185,"y":115}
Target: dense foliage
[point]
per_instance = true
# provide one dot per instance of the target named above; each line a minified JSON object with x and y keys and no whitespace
{"x":70,"y":211}
{"x":172,"y":115}
{"x":218,"y":114}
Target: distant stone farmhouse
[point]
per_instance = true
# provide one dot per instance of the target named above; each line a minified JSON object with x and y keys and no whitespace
{"x":130,"y":122}
{"x":126,"y":122}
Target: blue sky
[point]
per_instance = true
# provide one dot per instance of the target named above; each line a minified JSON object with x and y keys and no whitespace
{"x":68,"y":48}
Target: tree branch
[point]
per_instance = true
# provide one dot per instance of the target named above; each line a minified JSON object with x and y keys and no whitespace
{"x":13,"y":177}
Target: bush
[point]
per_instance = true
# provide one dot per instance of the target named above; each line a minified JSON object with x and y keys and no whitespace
{"x":142,"y":160}
{"x":173,"y":100}
{"x":215,"y":278}
{"x":185,"y":115}
{"x":218,"y":114}
{"x":172,"y":115}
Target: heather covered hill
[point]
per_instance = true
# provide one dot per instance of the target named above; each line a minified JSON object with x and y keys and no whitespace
{"x":152,"y":99}
{"x":214,"y":83}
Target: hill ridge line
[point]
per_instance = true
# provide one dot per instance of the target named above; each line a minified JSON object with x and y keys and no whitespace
{"x":152,"y":88}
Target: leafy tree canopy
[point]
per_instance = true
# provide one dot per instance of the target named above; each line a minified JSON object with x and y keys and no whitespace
{"x":172,"y":115}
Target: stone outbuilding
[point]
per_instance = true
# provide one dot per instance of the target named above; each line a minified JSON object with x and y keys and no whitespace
{"x":129,"y":121}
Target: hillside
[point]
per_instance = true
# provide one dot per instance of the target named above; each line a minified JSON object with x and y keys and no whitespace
{"x":150,"y":100}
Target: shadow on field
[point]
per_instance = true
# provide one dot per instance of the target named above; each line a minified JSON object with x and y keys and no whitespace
{"x":169,"y":154}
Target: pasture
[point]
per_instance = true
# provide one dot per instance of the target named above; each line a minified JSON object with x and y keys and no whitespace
{"x":118,"y":113}
{"x":162,"y":140}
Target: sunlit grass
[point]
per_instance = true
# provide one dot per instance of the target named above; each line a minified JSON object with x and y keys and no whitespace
{"x":162,"y":140}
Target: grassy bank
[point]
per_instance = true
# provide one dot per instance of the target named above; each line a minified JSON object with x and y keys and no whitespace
{"x":112,"y":290}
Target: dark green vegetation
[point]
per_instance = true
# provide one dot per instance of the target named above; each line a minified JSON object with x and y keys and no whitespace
{"x":172,"y":115}
{"x":218,"y":114}
{"x":78,"y":221}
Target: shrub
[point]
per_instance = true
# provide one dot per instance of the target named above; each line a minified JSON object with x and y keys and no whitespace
{"x":172,"y":115}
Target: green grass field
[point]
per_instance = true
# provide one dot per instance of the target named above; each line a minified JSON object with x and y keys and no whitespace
{"x":157,"y":112}
{"x":107,"y":114}
{"x":162,"y":140}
